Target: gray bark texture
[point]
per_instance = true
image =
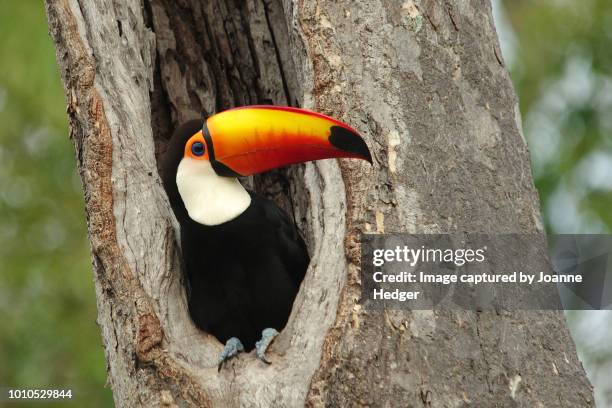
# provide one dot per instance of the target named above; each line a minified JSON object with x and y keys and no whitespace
{"x":423,"y":81}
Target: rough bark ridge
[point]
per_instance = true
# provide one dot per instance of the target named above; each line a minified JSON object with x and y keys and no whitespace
{"x":424,"y":81}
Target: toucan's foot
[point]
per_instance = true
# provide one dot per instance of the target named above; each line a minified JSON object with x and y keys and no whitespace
{"x":232,"y":347}
{"x":267,"y":335}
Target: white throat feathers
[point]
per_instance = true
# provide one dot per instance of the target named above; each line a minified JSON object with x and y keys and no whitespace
{"x":209,"y":198}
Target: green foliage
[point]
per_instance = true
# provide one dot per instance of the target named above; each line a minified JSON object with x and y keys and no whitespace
{"x":49,"y":336}
{"x":562,"y":72}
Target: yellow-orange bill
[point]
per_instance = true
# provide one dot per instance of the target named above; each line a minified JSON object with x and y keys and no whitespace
{"x":254,"y":139}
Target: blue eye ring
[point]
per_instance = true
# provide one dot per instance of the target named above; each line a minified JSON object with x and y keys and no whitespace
{"x":198,"y":149}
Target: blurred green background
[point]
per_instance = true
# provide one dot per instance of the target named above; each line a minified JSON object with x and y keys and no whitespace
{"x":559,"y":55}
{"x":49,"y":335}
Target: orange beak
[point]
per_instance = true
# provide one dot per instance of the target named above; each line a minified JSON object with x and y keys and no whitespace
{"x":253,"y":139}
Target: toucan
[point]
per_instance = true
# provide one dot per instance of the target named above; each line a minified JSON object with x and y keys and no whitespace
{"x":242,"y":256}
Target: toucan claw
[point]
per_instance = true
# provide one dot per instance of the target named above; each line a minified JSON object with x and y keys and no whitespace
{"x":232,"y":347}
{"x":267,"y":336}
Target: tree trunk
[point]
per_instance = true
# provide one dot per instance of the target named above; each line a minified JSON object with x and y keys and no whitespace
{"x":424,"y":81}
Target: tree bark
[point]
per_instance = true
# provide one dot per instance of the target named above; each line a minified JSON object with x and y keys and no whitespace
{"x":424,"y":81}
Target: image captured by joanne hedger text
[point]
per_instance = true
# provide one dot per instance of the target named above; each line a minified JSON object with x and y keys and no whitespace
{"x":486,"y":271}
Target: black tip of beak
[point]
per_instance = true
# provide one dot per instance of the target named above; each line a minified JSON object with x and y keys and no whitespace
{"x":351,"y":142}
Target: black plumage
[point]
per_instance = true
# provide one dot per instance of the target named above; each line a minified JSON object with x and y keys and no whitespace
{"x":243,"y":275}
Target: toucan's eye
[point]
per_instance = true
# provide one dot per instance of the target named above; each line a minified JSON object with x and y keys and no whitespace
{"x":198,"y":149}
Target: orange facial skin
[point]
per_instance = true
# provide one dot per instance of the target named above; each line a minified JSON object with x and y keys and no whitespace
{"x":198,"y":137}
{"x":253,"y":139}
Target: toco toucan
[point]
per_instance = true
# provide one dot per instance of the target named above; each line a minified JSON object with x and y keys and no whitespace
{"x":243,"y":258}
